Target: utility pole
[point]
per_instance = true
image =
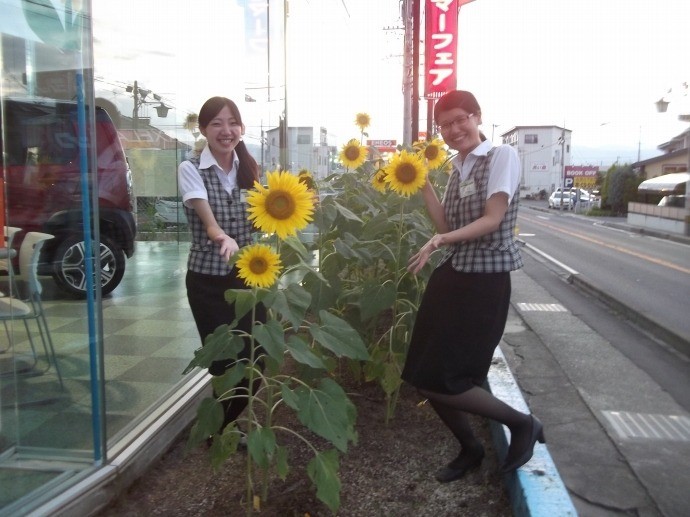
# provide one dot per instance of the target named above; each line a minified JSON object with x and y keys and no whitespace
{"x":416,"y":14}
{"x":408,"y":72}
{"x":562,"y":139}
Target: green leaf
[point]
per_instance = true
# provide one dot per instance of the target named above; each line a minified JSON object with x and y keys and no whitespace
{"x":376,"y":297}
{"x":391,"y":380}
{"x":293,"y":242}
{"x":346,"y":213}
{"x":209,"y":419}
{"x":224,"y":445}
{"x":289,"y":396}
{"x":222,"y":344}
{"x":344,"y":249}
{"x":245,"y":300}
{"x":378,"y":226}
{"x":292,"y":303}
{"x":323,"y":295}
{"x":339,"y":337}
{"x":327,"y":411}
{"x":301,"y":353}
{"x":323,"y":471}
{"x":271,"y":337}
{"x":261,"y":444}
{"x":224,"y":384}
{"x":282,"y":467}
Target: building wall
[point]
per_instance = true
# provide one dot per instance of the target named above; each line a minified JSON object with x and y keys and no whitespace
{"x":539,"y":149}
{"x":304,"y":152}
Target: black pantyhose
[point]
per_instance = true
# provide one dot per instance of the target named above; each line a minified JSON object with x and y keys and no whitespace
{"x":478,"y":401}
{"x":457,"y":422}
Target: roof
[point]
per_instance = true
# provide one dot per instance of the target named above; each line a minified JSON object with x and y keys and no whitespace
{"x":665,"y":183}
{"x":517,"y":128}
{"x":662,"y":158}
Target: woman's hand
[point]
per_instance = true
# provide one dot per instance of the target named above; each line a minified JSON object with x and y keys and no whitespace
{"x":228,"y":246}
{"x":419,"y":259}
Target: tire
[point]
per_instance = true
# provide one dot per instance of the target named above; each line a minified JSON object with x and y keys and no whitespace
{"x":69,"y":267}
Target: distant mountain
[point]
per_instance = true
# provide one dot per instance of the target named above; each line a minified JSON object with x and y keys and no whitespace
{"x":608,"y":155}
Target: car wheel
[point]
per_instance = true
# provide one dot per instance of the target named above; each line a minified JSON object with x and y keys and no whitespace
{"x":69,"y":265}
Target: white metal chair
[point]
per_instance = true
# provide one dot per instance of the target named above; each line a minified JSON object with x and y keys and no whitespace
{"x":7,"y":252}
{"x":30,"y":307}
{"x":6,"y":260}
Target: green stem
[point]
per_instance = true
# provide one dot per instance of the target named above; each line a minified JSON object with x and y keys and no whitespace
{"x":250,"y":410}
{"x":391,"y":403}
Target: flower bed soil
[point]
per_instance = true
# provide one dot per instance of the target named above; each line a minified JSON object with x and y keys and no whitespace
{"x":389,"y":472}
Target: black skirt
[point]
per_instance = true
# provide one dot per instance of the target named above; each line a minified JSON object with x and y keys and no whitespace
{"x":459,"y":324}
{"x":206,"y":295}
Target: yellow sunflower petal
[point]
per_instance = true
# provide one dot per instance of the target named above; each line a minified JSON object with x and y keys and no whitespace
{"x":353,"y":154}
{"x":434,"y":153}
{"x":284,"y":207}
{"x":379,"y":180}
{"x":406,"y":173}
{"x":258,"y":265}
{"x":362,"y":120}
{"x":304,"y":176}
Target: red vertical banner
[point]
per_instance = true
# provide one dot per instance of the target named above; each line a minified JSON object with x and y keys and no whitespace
{"x":2,"y":212}
{"x":441,"y":47}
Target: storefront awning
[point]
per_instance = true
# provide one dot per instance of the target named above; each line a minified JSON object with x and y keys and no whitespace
{"x":667,"y":183}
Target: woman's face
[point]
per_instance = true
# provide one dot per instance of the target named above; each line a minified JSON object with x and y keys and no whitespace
{"x":223,"y":132}
{"x":460,"y":129}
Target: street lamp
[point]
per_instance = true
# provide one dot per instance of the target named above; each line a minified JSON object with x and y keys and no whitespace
{"x":140,"y":95}
{"x":661,"y":107}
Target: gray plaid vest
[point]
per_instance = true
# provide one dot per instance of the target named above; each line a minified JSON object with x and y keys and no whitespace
{"x":231,"y":215}
{"x":495,"y":252}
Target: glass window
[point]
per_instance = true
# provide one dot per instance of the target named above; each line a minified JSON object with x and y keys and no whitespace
{"x":531,"y":139}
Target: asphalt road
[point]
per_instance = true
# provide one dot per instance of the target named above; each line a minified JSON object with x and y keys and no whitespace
{"x":647,"y":274}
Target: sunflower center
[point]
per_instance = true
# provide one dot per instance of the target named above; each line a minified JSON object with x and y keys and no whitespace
{"x":351,"y":152}
{"x":258,"y":265}
{"x":406,"y":173}
{"x":280,"y":205}
{"x":431,"y":152}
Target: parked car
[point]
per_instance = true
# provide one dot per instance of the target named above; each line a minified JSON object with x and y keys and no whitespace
{"x":44,"y":189}
{"x":556,"y":199}
{"x":677,"y":201}
{"x":579,"y":194}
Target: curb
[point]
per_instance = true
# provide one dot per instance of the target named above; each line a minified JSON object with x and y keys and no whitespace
{"x":680,"y":343}
{"x":535,"y":489}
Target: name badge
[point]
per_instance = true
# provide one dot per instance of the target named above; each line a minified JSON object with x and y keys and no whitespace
{"x":467,"y":188}
{"x":243,"y":195}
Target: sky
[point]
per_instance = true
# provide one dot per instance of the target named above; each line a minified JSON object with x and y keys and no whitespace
{"x":594,"y":66}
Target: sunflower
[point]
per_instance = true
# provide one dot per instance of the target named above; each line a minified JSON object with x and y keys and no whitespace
{"x":304,"y":176}
{"x":353,"y":154}
{"x":379,"y":180}
{"x":362,"y":120}
{"x":284,"y":207}
{"x":434,"y":153}
{"x":406,"y":174}
{"x":258,"y":265}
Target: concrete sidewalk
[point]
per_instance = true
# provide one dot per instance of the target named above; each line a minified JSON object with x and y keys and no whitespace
{"x":620,"y":444}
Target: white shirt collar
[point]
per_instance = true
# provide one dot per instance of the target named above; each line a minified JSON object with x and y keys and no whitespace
{"x":482,"y":149}
{"x":207,"y":159}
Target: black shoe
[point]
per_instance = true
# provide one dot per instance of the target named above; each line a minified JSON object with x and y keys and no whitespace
{"x":467,"y":460}
{"x":516,"y":459}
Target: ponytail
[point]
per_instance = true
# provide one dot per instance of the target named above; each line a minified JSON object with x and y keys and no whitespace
{"x":248,"y":171}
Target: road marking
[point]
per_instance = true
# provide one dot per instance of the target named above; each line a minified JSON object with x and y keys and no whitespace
{"x":649,"y":426}
{"x":613,"y":247}
{"x":543,"y":307}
